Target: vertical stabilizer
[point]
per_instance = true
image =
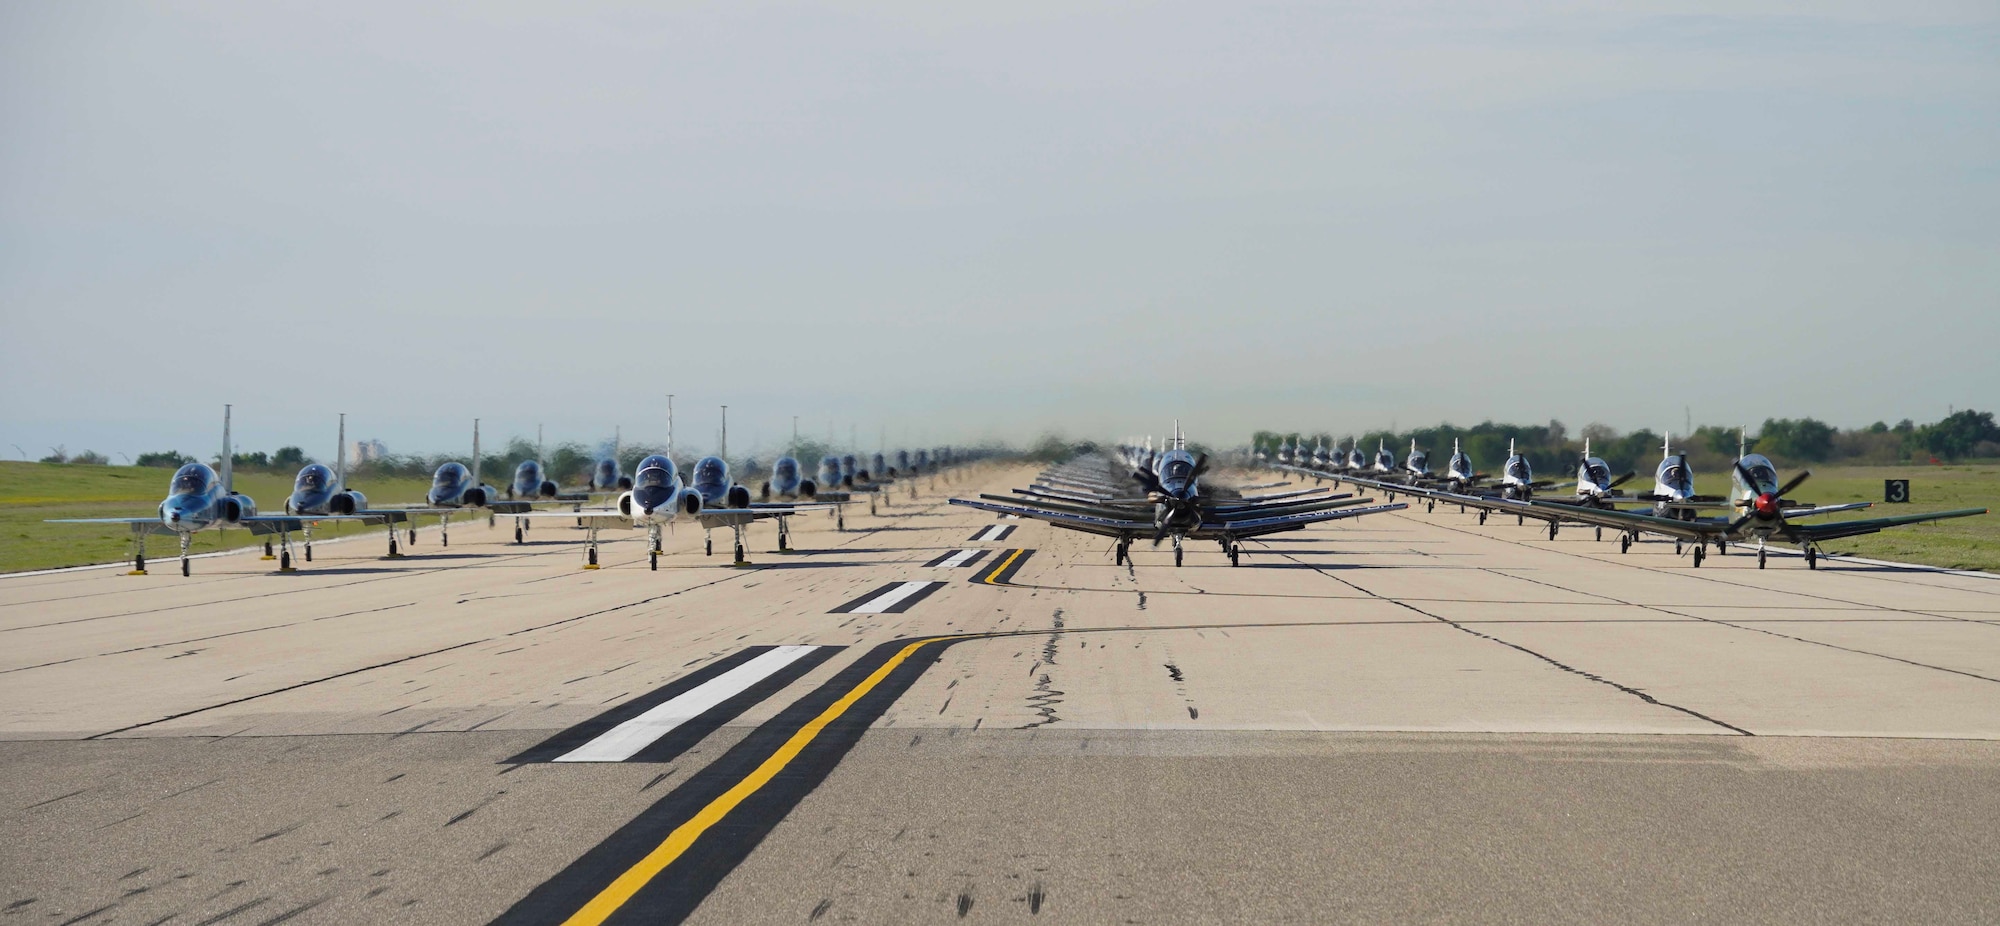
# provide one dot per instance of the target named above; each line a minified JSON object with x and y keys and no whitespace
{"x":340,"y":457}
{"x":1667,"y":445}
{"x":1740,"y":442}
{"x":475,"y":451}
{"x":228,"y":456}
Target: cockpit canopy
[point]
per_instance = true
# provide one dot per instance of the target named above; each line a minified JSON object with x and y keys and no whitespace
{"x":710,"y":471}
{"x":655,"y":471}
{"x":192,"y":479}
{"x":451,"y":474}
{"x":1176,"y":471}
{"x":1762,"y":470}
{"x":528,"y":469}
{"x":314,"y":478}
{"x":785,"y":468}
{"x":1517,"y":467}
{"x":1596,"y":472}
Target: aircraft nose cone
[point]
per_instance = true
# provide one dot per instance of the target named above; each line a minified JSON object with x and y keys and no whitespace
{"x":1767,"y":504}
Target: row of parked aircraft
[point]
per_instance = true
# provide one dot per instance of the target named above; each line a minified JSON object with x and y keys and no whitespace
{"x":199,"y":498}
{"x":1758,"y":509}
{"x":1139,"y":492}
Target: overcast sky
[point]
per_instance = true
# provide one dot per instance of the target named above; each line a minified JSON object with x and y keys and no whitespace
{"x":953,"y":223}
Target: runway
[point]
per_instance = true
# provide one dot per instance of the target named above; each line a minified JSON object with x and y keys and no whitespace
{"x":924,"y":718}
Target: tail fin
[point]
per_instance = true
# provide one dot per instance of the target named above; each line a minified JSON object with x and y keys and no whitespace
{"x":340,"y":456}
{"x":475,"y":452}
{"x":1667,"y":445}
{"x":228,"y":456}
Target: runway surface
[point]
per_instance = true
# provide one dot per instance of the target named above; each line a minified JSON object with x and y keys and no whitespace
{"x":921,"y":718}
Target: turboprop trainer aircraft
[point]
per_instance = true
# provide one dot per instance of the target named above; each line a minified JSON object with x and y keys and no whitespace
{"x":1765,"y":514}
{"x":199,"y":499}
{"x":1175,"y":504}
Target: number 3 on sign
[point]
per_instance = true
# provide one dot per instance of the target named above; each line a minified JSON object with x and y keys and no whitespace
{"x":1895,"y":490}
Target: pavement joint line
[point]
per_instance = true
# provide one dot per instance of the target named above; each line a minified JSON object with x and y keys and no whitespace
{"x":1635,"y":692}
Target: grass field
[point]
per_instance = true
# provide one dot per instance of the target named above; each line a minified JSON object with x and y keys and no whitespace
{"x":1960,"y":543}
{"x":31,"y":492}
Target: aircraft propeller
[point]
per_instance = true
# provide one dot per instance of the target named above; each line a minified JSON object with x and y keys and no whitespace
{"x":1765,"y":505}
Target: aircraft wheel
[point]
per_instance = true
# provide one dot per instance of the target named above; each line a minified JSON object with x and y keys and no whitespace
{"x":1677,"y":548}
{"x":1698,"y":552}
{"x":444,"y":540}
{"x":1722,"y":548}
{"x":267,"y":549}
{"x":1760,"y":559}
{"x":1552,"y":530}
{"x":1431,"y":508}
{"x":139,"y":563}
{"x":1520,"y":520}
{"x":593,"y":556}
{"x":708,"y":548}
{"x":1600,"y":533}
{"x":1482,"y":518}
{"x":285,"y":561}
{"x":1812,"y":557}
{"x":1177,"y":556}
{"x":1624,"y":542}
{"x":739,"y":553}
{"x":413,"y":536}
{"x":654,"y":557}
{"x":517,"y":534}
{"x":184,"y":568}
{"x":309,"y":553}
{"x":1233,"y":554}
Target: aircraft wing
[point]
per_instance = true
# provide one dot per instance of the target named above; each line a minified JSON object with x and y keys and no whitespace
{"x":1254,"y":527}
{"x":586,"y":514}
{"x":785,"y":507}
{"x":1816,"y":533}
{"x":289,"y":523}
{"x":152,"y":525}
{"x":1622,"y":520}
{"x":1089,"y":524}
{"x":1810,"y":510}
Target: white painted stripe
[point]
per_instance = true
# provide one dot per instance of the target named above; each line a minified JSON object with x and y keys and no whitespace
{"x":626,"y":739}
{"x":888,"y":599}
{"x":959,"y":559}
{"x":991,"y":533}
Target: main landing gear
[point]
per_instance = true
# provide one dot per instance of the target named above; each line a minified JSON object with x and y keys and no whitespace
{"x":653,"y":546}
{"x":139,"y":556}
{"x":267,"y":550}
{"x":590,"y":540}
{"x":784,"y":536}
{"x":1482,"y":519}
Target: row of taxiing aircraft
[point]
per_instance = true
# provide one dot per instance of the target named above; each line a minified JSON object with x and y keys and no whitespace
{"x":199,"y":499}
{"x":1758,"y":509}
{"x":1140,"y":492}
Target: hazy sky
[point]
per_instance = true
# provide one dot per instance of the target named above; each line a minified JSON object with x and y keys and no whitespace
{"x":955,"y":222}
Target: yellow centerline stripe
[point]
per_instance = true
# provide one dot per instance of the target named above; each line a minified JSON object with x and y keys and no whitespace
{"x":997,"y":570}
{"x":677,"y":842}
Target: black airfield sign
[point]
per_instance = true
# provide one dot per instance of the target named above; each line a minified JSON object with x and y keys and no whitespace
{"x":1895,"y":490}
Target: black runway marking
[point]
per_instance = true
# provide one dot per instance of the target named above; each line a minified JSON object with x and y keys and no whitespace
{"x":1004,"y":565}
{"x":893,"y":598}
{"x":959,"y":559}
{"x":994,"y":532}
{"x":684,"y":737}
{"x":677,"y":890}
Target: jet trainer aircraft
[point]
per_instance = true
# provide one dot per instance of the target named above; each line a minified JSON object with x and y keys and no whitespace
{"x":321,"y":492}
{"x":200,"y":499}
{"x":1175,"y":504}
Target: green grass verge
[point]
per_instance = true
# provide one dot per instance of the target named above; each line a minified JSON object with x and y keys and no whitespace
{"x":1960,"y":543}
{"x":31,"y":492}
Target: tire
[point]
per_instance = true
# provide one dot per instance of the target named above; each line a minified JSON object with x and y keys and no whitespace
{"x":1760,"y":559}
{"x":1177,"y":556}
{"x":739,"y":553}
{"x":708,"y":548}
{"x":517,"y":535}
{"x":655,"y":561}
{"x":1812,"y":558}
{"x":1624,"y":542}
{"x":1698,"y":554}
{"x":1600,"y":533}
{"x":284,"y":562}
{"x":1482,"y":519}
{"x":184,"y":569}
{"x":309,"y":554}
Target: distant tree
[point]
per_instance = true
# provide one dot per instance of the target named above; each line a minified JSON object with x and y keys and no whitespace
{"x":1958,"y":434}
{"x":169,"y":459}
{"x":59,"y":455}
{"x":289,"y":458}
{"x":1879,"y":427}
{"x":258,"y":460}
{"x":1802,"y":440}
{"x":90,"y":458}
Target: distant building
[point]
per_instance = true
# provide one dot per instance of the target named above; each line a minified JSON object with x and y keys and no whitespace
{"x":367,"y":451}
